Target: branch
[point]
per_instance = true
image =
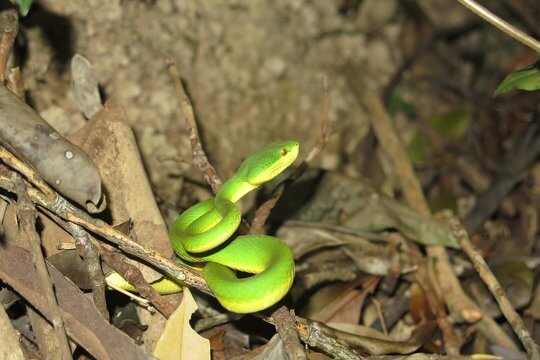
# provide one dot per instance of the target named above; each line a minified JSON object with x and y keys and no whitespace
{"x":90,"y":255}
{"x":460,"y":305}
{"x":496,"y":290}
{"x":27,"y":217}
{"x":501,"y":24}
{"x":200,"y":160}
{"x":135,"y":277}
{"x":286,"y":329}
{"x":66,"y":211}
{"x":327,"y":129}
{"x":9,"y":21}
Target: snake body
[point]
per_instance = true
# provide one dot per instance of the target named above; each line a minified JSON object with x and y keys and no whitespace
{"x":202,"y":234}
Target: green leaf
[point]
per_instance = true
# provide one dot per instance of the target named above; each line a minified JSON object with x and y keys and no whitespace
{"x":419,"y":149}
{"x":524,"y":79}
{"x":453,"y":125}
{"x":24,"y":6}
{"x":397,"y":103}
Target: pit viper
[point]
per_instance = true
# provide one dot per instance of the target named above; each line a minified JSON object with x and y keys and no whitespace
{"x":202,"y":234}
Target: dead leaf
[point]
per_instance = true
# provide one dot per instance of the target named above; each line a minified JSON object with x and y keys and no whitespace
{"x":179,"y":340}
{"x":84,"y":323}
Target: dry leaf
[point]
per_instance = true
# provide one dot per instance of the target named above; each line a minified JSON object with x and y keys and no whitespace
{"x":179,"y":340}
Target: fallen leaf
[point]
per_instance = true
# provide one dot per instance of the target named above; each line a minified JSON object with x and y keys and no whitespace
{"x":179,"y":340}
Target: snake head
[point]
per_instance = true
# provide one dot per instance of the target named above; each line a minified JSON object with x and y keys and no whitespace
{"x":266,"y":163}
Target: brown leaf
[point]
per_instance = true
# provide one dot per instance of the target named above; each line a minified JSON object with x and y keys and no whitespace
{"x":83,"y":322}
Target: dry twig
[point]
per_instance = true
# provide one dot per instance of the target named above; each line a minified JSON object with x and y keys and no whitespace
{"x":200,"y":160}
{"x":63,"y":209}
{"x":286,"y":329}
{"x":495,"y":288}
{"x":135,"y":277}
{"x":327,"y":129}
{"x":27,"y":217}
{"x":501,"y":24}
{"x":391,"y":142}
{"x":90,"y":255}
{"x":9,"y":21}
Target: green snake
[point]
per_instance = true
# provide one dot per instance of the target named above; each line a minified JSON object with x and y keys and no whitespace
{"x":202,"y":234}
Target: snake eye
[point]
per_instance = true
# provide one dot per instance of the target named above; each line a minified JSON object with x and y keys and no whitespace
{"x":283,"y":151}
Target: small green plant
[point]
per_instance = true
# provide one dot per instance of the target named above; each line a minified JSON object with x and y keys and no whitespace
{"x":24,"y":6}
{"x":525,"y":79}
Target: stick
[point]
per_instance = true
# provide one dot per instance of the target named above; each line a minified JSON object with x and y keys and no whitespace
{"x":286,"y":329}
{"x":496,"y":290}
{"x":200,"y":160}
{"x":501,"y":24}
{"x":327,"y":129}
{"x":9,"y":20}
{"x":27,"y":215}
{"x":90,"y":255}
{"x":135,"y":277}
{"x":66,"y":211}
{"x":391,"y":143}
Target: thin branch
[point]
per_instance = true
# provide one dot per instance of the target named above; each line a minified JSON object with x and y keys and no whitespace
{"x":13,"y":162}
{"x":327,"y":129}
{"x":27,"y":217}
{"x":200,"y":160}
{"x":9,"y":20}
{"x":495,"y":288}
{"x":311,"y":332}
{"x":90,"y":255}
{"x":391,"y":143}
{"x":459,"y":304}
{"x":66,"y":211}
{"x":501,"y":24}
{"x":135,"y":277}
{"x":286,"y":329}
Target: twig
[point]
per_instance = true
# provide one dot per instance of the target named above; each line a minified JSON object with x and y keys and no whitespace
{"x":9,"y":20}
{"x":501,"y":24}
{"x":210,"y":322}
{"x":286,"y":329}
{"x":134,"y":276}
{"x":63,"y":209}
{"x":10,"y":160}
{"x":327,"y":129}
{"x":312,"y":334}
{"x":391,"y":143}
{"x":200,"y":160}
{"x":88,"y":252}
{"x":380,"y":315}
{"x":495,"y":288}
{"x":459,"y":304}
{"x":338,"y":343}
{"x":134,"y":297}
{"x":27,"y":215}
